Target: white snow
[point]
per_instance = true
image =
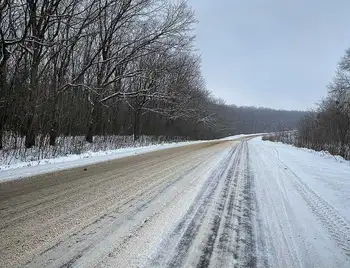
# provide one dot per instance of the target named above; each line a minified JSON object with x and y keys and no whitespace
{"x":303,"y":203}
{"x":235,"y":137}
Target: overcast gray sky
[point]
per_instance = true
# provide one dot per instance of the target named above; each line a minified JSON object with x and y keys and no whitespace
{"x":272,"y":53}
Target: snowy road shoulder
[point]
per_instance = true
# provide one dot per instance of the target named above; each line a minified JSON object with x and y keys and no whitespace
{"x":27,"y":169}
{"x":304,"y":205}
{"x":327,"y":175}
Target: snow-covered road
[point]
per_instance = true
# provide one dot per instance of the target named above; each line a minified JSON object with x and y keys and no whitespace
{"x":243,"y":203}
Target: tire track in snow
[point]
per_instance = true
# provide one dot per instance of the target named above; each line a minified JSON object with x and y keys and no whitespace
{"x":247,"y":245}
{"x":288,"y":254}
{"x":112,"y":219}
{"x":191,"y":228}
{"x":236,"y":243}
{"x":224,"y":212}
{"x":218,"y":226}
{"x":332,"y":220}
{"x":261,"y":252}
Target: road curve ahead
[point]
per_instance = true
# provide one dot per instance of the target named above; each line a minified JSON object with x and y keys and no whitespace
{"x":181,"y":207}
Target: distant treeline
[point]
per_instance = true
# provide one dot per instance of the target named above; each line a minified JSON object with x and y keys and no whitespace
{"x":328,"y":126}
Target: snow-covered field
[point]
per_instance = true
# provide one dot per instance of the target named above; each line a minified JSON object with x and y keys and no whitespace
{"x":303,"y":204}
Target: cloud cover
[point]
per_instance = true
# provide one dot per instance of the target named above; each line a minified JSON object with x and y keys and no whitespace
{"x":272,"y":53}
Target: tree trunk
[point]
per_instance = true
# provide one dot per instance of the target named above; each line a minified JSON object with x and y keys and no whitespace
{"x":30,"y":136}
{"x":89,"y":136}
{"x":136,"y":125}
{"x":195,"y":131}
{"x":53,"y":136}
{"x":34,"y":70}
{"x":89,"y":133}
{"x":1,"y":134}
{"x":54,"y":126}
{"x":29,"y":131}
{"x":3,"y":91}
{"x":342,"y":147}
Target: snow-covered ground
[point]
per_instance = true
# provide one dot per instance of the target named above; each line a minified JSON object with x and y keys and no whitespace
{"x":21,"y":169}
{"x":303,"y":204}
{"x":232,"y":204}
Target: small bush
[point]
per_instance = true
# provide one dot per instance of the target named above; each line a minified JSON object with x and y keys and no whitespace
{"x":14,"y":150}
{"x":269,"y":138}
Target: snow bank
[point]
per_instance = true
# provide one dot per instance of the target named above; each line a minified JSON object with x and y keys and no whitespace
{"x":327,"y":175}
{"x":322,"y":153}
{"x":303,"y":205}
{"x":235,"y":137}
{"x":14,"y":151}
{"x":31,"y":168}
{"x":22,"y":169}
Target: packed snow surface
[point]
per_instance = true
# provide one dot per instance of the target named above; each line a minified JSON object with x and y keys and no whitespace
{"x":303,"y":206}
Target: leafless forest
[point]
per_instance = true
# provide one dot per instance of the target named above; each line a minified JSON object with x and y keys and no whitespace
{"x":328,"y":126}
{"x":106,"y":67}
